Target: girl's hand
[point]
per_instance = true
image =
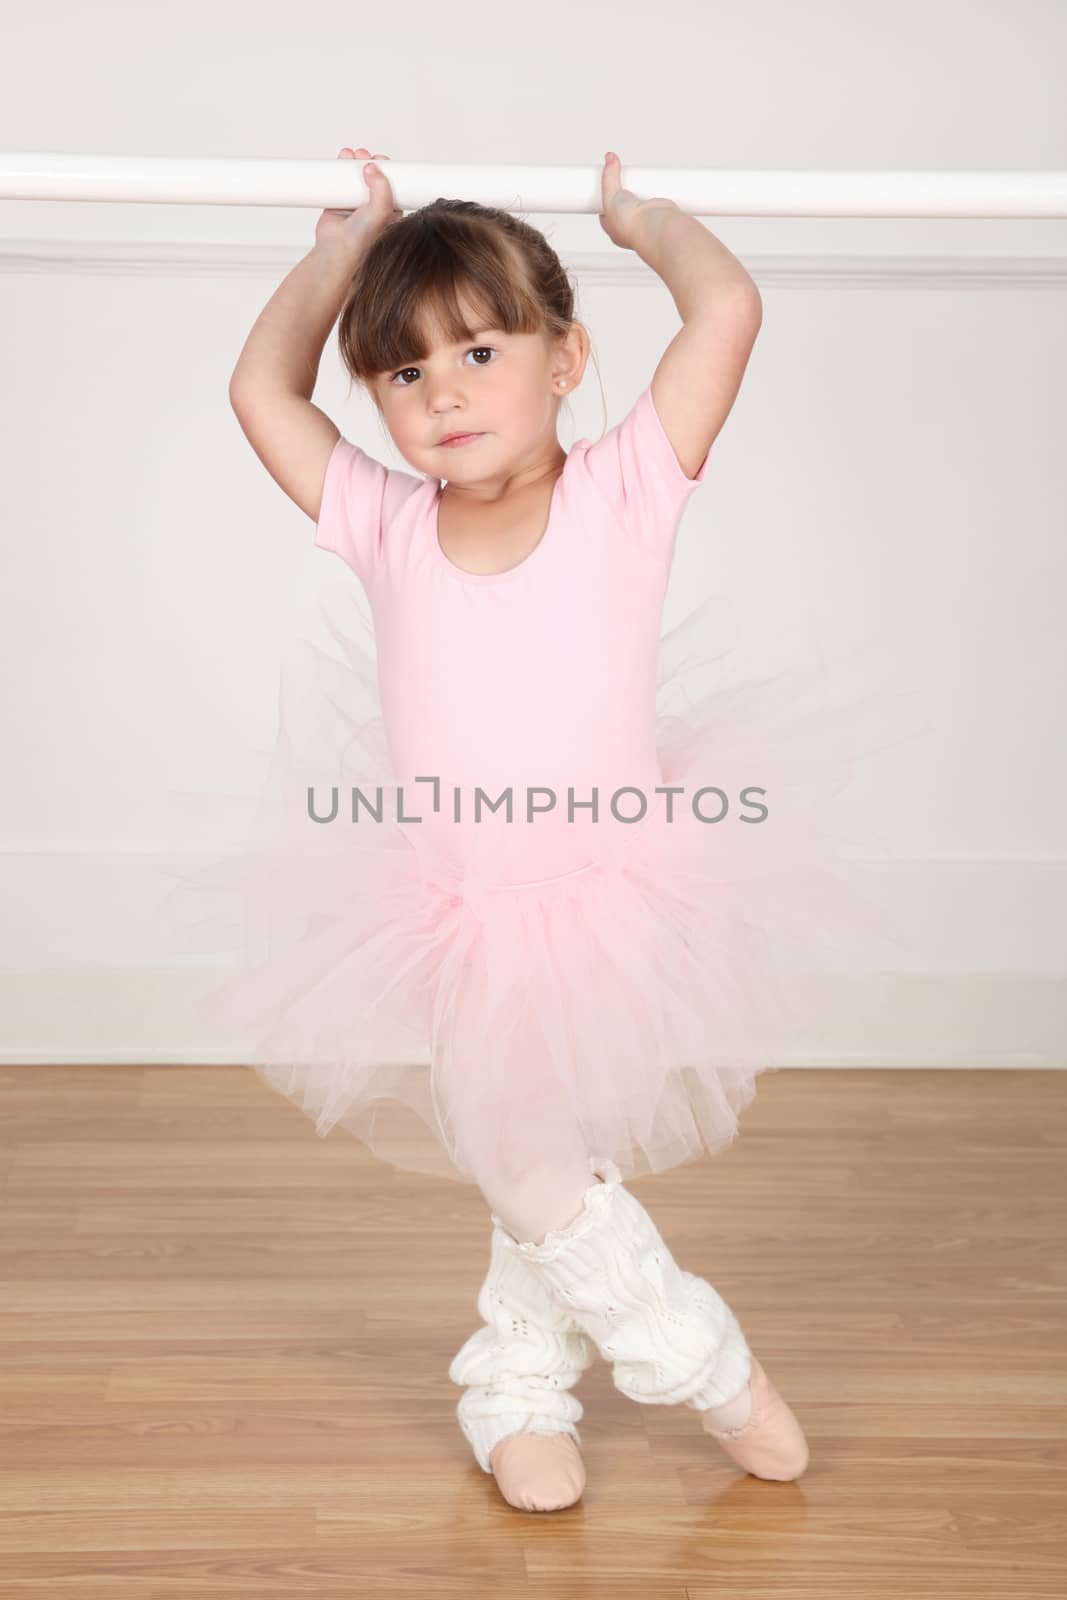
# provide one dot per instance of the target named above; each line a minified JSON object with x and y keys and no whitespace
{"x":366,"y":222}
{"x":624,"y":214}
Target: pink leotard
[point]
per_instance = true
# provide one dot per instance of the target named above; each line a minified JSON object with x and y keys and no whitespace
{"x":540,"y":677}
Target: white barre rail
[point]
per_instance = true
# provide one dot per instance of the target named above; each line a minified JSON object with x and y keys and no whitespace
{"x":701,"y":191}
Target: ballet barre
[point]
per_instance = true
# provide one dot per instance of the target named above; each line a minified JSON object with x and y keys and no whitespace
{"x":701,"y":191}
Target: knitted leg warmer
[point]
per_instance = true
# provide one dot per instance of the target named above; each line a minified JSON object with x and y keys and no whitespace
{"x":669,"y":1335}
{"x":518,"y":1370}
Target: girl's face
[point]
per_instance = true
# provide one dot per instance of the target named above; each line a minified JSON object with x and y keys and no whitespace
{"x":504,"y":387}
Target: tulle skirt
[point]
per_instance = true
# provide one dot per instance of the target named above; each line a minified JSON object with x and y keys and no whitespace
{"x":457,"y":1026}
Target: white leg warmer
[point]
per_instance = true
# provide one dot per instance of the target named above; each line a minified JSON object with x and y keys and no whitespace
{"x":519,"y":1368}
{"x":669,"y":1335}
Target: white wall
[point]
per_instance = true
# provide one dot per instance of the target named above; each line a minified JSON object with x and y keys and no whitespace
{"x":890,"y":484}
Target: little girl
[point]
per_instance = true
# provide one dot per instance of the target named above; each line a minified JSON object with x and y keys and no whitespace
{"x":584,"y":951}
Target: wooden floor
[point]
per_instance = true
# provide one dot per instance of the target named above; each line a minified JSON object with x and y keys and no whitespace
{"x":225,"y":1345}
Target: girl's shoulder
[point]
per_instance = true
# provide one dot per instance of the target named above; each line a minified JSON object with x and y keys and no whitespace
{"x":361,"y":497}
{"x":635,"y":469}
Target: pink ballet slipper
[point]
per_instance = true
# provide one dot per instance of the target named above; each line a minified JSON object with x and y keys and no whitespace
{"x":771,"y":1444}
{"x":538,"y":1471}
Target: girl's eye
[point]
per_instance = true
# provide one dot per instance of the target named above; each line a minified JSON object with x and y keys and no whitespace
{"x":474,"y":349}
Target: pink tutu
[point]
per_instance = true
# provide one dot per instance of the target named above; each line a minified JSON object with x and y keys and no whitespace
{"x":435,"y":1014}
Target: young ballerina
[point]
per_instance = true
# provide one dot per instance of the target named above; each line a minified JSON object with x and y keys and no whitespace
{"x":591,"y":979}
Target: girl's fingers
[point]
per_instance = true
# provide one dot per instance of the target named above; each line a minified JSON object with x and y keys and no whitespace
{"x":362,"y":151}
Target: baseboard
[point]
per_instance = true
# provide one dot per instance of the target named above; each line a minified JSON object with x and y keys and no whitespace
{"x":144,"y":1016}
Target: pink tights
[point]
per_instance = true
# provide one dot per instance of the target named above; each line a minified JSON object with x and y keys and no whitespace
{"x":540,"y":1201}
{"x":530,"y":1191}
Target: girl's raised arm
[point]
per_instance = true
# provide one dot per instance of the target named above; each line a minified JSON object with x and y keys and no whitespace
{"x":276,"y":372}
{"x":272,"y":383}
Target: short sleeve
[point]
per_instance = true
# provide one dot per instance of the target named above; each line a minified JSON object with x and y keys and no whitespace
{"x":360,"y":496}
{"x":636,"y":469}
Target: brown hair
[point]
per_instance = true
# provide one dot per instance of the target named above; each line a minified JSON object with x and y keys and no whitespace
{"x":508,"y":269}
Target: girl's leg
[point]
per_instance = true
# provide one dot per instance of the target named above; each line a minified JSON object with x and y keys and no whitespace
{"x":540,"y":1196}
{"x":517,"y":1411}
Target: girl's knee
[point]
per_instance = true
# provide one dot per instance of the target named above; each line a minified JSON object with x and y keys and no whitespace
{"x":539,"y":1202}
